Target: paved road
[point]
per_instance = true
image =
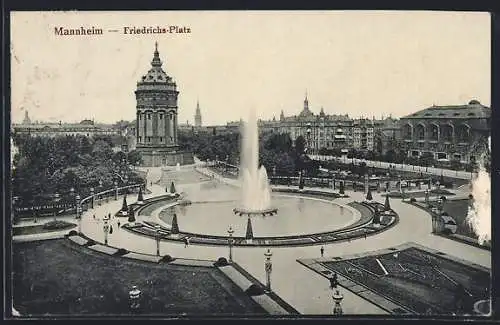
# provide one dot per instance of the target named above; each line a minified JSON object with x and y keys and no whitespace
{"x":305,"y":290}
{"x":402,"y":167}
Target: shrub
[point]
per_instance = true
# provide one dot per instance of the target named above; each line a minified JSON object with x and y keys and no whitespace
{"x":57,"y":224}
{"x":91,"y":242}
{"x":221,"y":261}
{"x":254,"y":290}
{"x":413,"y":200}
{"x":121,"y":252}
{"x":443,"y":198}
{"x":166,"y":259}
{"x":73,"y":233}
{"x":446,"y":231}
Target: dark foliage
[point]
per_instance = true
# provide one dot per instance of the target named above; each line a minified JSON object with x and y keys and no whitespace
{"x":221,"y":261}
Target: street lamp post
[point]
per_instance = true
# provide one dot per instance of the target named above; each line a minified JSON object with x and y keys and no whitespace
{"x":78,"y":213}
{"x":99,"y":197}
{"x":92,"y":199}
{"x":157,"y":228}
{"x":116,"y":190}
{"x":71,"y":196}
{"x":230,"y":231}
{"x":106,"y":230}
{"x":269,"y":268}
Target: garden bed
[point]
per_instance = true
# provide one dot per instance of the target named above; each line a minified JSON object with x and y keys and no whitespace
{"x":44,"y":228}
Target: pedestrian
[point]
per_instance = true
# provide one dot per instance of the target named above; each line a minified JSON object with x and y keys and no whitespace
{"x":151,"y":183}
{"x":118,"y":223}
{"x":185,"y":242}
{"x":322,"y":250}
{"x":94,"y":216}
{"x":365,"y":235}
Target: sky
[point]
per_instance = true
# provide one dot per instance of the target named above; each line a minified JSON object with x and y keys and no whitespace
{"x":361,"y":63}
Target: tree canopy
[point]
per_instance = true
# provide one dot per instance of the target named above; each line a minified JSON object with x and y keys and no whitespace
{"x":47,"y":165}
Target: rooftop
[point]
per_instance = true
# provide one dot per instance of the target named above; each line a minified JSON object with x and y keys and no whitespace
{"x":474,"y":109}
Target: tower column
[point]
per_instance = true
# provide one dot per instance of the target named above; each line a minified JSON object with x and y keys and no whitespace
{"x":154,"y":120}
{"x":175,"y":128}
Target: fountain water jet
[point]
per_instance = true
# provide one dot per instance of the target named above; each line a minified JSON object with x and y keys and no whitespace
{"x":255,"y":189}
{"x":479,"y":215}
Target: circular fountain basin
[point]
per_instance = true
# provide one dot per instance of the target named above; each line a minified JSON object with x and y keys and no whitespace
{"x":297,"y":216}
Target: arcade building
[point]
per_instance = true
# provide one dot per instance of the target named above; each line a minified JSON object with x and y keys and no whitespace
{"x":455,"y":132}
{"x":156,"y":120}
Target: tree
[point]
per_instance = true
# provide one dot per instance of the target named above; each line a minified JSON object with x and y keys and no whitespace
{"x":134,"y":157}
{"x":426,"y":159}
{"x":376,"y":217}
{"x":124,"y":204}
{"x":323,"y":151}
{"x":285,"y":164}
{"x":300,"y":145}
{"x":175,"y":226}
{"x":131,"y":216}
{"x":249,"y":232}
{"x":341,"y":188}
{"x":369,"y":196}
{"x":387,"y":205}
{"x":140,"y":196}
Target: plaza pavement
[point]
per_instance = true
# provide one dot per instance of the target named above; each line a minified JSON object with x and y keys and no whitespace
{"x":305,"y":290}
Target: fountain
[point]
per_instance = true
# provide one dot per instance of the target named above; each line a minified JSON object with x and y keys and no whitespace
{"x":255,"y":189}
{"x":479,"y":215}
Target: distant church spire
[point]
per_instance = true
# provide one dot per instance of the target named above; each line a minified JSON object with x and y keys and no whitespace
{"x":27,"y":119}
{"x":282,"y":116}
{"x":197,"y":115}
{"x":306,"y":102}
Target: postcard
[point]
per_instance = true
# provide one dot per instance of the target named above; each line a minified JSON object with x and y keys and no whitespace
{"x":250,"y":164}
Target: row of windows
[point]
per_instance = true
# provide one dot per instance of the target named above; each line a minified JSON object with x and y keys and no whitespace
{"x":148,"y":116}
{"x":148,"y":139}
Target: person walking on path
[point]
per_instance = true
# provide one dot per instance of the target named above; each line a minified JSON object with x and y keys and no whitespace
{"x":118,"y":223}
{"x":185,"y":242}
{"x":322,"y":250}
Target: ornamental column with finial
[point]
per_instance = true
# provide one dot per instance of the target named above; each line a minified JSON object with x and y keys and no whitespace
{"x":269,"y":268}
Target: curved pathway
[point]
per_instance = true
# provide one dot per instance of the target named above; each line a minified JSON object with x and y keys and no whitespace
{"x":306,"y":291}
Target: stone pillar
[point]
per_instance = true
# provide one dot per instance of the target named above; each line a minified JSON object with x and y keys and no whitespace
{"x":337,"y":299}
{"x":269,"y":268}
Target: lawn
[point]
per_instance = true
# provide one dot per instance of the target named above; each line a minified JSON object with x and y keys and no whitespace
{"x":56,"y":277}
{"x":419,"y":281}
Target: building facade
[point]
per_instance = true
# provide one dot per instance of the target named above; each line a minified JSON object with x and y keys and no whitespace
{"x":328,"y":131}
{"x":156,"y":120}
{"x":84,"y":128}
{"x":458,"y":132}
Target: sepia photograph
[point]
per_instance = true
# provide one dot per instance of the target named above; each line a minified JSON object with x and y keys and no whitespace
{"x":250,"y":164}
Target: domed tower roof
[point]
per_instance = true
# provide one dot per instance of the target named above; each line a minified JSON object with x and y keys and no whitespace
{"x":156,"y":73}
